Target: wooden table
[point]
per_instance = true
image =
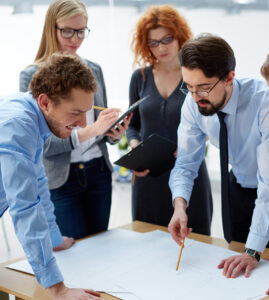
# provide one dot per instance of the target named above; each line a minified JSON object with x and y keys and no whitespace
{"x":24,"y":286}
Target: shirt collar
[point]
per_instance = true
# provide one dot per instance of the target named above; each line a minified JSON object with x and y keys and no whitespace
{"x":231,"y":106}
{"x":42,"y":123}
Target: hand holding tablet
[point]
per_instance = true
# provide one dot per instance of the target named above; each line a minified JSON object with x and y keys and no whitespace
{"x":118,"y":121}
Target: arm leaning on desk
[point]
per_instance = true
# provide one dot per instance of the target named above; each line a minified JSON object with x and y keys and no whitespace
{"x":25,"y":286}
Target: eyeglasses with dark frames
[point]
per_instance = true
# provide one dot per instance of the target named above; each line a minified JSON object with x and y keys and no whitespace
{"x":165,"y":41}
{"x":202,"y":94}
{"x":68,"y":33}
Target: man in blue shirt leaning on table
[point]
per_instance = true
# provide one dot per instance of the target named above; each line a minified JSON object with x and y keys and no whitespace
{"x":214,"y":95}
{"x":62,"y":91}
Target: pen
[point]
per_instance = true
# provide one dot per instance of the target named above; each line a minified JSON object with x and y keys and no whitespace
{"x":181,"y":248}
{"x":98,"y":107}
{"x":133,"y":180}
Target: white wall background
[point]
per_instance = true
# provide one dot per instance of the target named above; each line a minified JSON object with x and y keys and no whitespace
{"x":109,"y":42}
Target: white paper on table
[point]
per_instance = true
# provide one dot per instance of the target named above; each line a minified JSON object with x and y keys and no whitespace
{"x":126,"y":296}
{"x":154,"y":276}
{"x":87,"y":262}
{"x":136,"y":266}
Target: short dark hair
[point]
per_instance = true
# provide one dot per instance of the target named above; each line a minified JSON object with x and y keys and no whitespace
{"x":59,"y":74}
{"x":211,"y":54}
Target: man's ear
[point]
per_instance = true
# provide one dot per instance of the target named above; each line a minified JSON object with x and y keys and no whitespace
{"x":44,"y":103}
{"x":230,"y":78}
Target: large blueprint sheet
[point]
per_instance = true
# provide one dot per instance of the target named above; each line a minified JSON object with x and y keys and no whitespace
{"x":135,"y":266}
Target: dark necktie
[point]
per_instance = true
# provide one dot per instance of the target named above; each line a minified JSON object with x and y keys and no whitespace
{"x":223,"y":142}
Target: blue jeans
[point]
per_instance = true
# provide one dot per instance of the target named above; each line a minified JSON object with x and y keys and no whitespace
{"x":82,"y":204}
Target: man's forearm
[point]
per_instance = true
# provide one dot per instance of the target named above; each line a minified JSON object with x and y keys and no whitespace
{"x":180,"y":204}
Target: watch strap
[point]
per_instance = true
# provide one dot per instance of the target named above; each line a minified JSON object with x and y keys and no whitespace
{"x":252,"y":253}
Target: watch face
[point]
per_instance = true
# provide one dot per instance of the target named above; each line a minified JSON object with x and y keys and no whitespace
{"x":251,"y":252}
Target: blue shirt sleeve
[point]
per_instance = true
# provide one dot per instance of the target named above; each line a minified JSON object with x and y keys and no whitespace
{"x":55,"y":234}
{"x":190,"y":153}
{"x":28,"y":197}
{"x":259,"y":230}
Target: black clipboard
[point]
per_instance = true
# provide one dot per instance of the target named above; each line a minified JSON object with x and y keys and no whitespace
{"x":155,"y":153}
{"x":119,"y":120}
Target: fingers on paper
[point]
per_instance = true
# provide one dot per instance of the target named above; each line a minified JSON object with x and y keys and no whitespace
{"x":93,"y":293}
{"x":234,"y":265}
{"x":67,"y":243}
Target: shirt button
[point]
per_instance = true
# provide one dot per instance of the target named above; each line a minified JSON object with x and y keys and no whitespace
{"x":81,"y":166}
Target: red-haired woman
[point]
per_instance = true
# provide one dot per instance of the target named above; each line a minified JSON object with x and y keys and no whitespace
{"x":159,"y":36}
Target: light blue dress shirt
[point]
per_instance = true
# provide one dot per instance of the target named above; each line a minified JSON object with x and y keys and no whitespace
{"x":23,"y":184}
{"x":247,"y":123}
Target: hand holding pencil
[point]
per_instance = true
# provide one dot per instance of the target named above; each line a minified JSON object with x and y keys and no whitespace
{"x":178,"y":223}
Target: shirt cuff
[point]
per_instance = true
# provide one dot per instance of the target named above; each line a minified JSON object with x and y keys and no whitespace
{"x":74,"y":138}
{"x":56,"y":237}
{"x":50,"y":275}
{"x":256,"y":242}
{"x":180,"y":194}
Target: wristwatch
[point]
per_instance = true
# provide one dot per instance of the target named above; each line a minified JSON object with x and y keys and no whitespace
{"x":253,"y":253}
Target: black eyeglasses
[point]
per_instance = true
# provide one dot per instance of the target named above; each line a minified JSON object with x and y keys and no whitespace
{"x":165,"y":41}
{"x":68,"y":33}
{"x":202,"y":94}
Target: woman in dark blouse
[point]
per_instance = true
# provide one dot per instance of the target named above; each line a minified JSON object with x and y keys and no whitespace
{"x":159,"y":36}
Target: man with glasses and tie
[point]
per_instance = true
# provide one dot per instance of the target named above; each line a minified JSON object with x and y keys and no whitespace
{"x":234,"y":114}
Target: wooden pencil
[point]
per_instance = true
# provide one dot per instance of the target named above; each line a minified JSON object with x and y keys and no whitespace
{"x":98,"y":107}
{"x":133,"y":182}
{"x":179,"y":257}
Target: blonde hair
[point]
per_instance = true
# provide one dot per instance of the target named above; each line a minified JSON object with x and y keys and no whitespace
{"x":158,"y":16}
{"x":265,"y":68}
{"x":58,"y":11}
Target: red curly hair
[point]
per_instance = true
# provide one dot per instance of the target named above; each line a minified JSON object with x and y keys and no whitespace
{"x":158,"y":16}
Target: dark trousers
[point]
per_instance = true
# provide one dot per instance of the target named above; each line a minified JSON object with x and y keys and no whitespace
{"x":242,"y":203}
{"x":152,"y":201}
{"x":82,"y":204}
{"x":200,"y":209}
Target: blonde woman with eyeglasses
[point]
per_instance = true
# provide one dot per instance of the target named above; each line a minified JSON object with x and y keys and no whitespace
{"x":79,"y":183}
{"x":160,"y":33}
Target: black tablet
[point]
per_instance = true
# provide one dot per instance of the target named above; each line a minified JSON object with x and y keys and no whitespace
{"x":119,"y":120}
{"x":126,"y":113}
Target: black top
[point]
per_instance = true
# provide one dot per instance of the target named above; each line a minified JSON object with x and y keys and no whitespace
{"x":157,"y":114}
{"x":151,"y":196}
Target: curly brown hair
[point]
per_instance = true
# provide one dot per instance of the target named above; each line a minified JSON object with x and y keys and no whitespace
{"x":158,"y":16}
{"x":59,"y":74}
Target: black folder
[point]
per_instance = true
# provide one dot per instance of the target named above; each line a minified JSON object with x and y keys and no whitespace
{"x":120,"y":120}
{"x":155,"y":153}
